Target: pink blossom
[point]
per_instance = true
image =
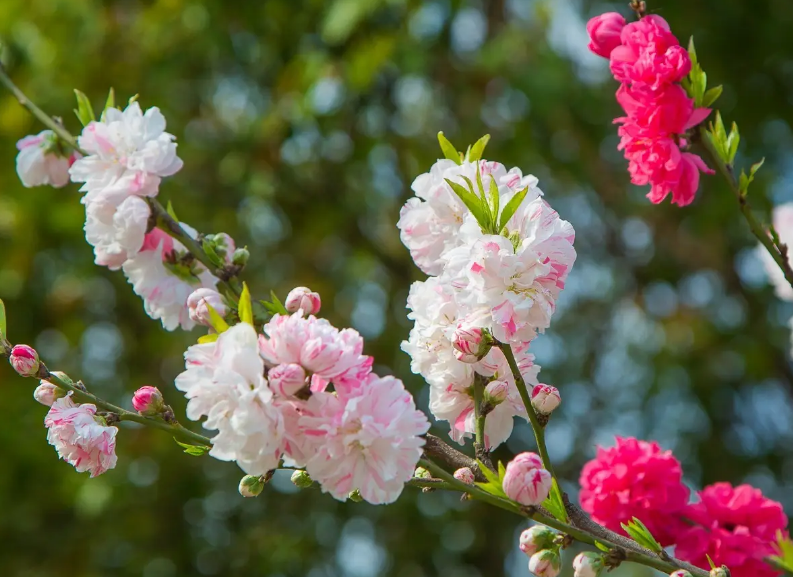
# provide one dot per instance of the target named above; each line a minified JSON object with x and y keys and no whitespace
{"x":635,"y":479}
{"x":736,"y":526}
{"x":47,"y":393}
{"x":331,"y":355}
{"x":662,"y":112}
{"x":650,"y":34}
{"x":604,"y":33}
{"x":302,"y":298}
{"x":25,"y":360}
{"x":465,"y":475}
{"x":41,"y":161}
{"x":148,"y":401}
{"x":81,"y":438}
{"x":471,"y":343}
{"x":198,"y":304}
{"x":545,"y":399}
{"x":287,"y":379}
{"x":526,"y":481}
{"x":369,"y":440}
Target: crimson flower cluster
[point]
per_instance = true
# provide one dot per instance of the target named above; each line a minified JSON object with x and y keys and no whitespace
{"x":735,"y":526}
{"x":648,"y":61}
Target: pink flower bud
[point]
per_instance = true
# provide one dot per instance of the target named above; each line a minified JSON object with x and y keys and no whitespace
{"x":545,"y":563}
{"x":536,"y":538}
{"x":148,"y":401}
{"x":604,"y":33}
{"x":719,"y":572}
{"x":471,"y":343}
{"x":680,"y":573}
{"x":465,"y":475}
{"x":47,"y":393}
{"x":302,"y":298}
{"x":25,"y":360}
{"x":197,"y":305}
{"x":287,"y":379}
{"x":545,"y":399}
{"x":525,"y":480}
{"x":496,"y":392}
{"x":587,"y":564}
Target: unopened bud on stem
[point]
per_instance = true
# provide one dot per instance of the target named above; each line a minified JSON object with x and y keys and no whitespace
{"x":148,"y":401}
{"x":465,"y":475}
{"x":545,"y":399}
{"x":25,"y":360}
{"x":47,"y":393}
{"x":302,"y":479}
{"x":545,"y":563}
{"x":588,"y":564}
{"x":302,"y":298}
{"x":536,"y":538}
{"x":251,"y":486}
{"x":471,"y":343}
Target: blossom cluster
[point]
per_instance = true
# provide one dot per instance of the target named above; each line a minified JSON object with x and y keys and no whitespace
{"x":483,"y":288}
{"x":648,"y":61}
{"x":302,"y":393}
{"x":128,"y":153}
{"x":734,"y":526}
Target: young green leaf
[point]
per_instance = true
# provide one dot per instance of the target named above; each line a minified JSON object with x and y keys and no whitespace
{"x":471,"y":201}
{"x":84,"y":111}
{"x":3,"y":326}
{"x":745,"y":180}
{"x":449,"y":151}
{"x":639,"y":532}
{"x":275,"y":307}
{"x":490,"y":475}
{"x":692,"y":52}
{"x":478,"y":149}
{"x":169,"y":209}
{"x":755,"y":167}
{"x":210,"y":251}
{"x":710,"y":561}
{"x":245,"y":306}
{"x":555,"y":504}
{"x":783,"y":547}
{"x":210,"y":338}
{"x":495,"y":203}
{"x":511,"y":208}
{"x":110,"y":102}
{"x":194,"y":450}
{"x":733,"y":139}
{"x":602,"y":546}
{"x":217,"y":322}
{"x":502,"y":470}
{"x":712,"y":95}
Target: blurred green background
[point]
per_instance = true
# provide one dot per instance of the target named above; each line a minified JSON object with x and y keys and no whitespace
{"x":302,"y":125}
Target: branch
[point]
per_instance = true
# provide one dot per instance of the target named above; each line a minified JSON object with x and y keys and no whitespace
{"x":539,"y":430}
{"x":777,"y":250}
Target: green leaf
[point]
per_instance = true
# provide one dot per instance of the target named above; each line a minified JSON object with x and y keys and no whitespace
{"x":511,"y":208}
{"x":245,"y":307}
{"x":745,"y":180}
{"x":110,"y":102}
{"x":495,"y":204}
{"x":217,"y":322}
{"x":275,"y":307}
{"x":478,"y":149}
{"x":784,"y":551}
{"x":490,"y":475}
{"x":169,"y":209}
{"x":712,"y":95}
{"x":210,"y":338}
{"x":502,"y":470}
{"x":639,"y":532}
{"x":449,"y":151}
{"x":473,"y":203}
{"x":194,"y":450}
{"x":555,"y":504}
{"x":210,"y":251}
{"x":84,"y":111}
{"x":710,"y":561}
{"x":491,"y":488}
{"x":692,"y":52}
{"x":755,"y":167}
{"x":602,"y":546}
{"x":2,"y":318}
{"x":733,"y":140}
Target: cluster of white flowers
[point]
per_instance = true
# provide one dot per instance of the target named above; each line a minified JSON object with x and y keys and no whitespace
{"x":502,"y":286}
{"x":303,"y":393}
{"x":128,"y":154}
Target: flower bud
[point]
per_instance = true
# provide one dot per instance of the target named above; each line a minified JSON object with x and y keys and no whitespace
{"x":355,"y":496}
{"x":465,"y":475}
{"x":471,"y":343}
{"x":47,"y":393}
{"x":303,"y":298}
{"x":287,"y":379}
{"x":251,"y":486}
{"x":545,"y":399}
{"x":197,"y":305}
{"x":604,"y":33}
{"x":148,"y":401}
{"x":720,"y":572}
{"x":422,"y":473}
{"x":240,"y":257}
{"x":545,"y":563}
{"x":525,"y":480}
{"x":496,"y":392}
{"x":588,"y":564}
{"x":680,"y":573}
{"x":224,"y":245}
{"x":25,"y":360}
{"x":302,"y":479}
{"x":536,"y":538}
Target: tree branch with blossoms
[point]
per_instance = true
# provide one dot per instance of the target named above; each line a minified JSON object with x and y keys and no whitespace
{"x":282,"y":388}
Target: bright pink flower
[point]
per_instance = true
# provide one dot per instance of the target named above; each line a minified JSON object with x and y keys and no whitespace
{"x":650,"y":34}
{"x":330,"y":354}
{"x":735,"y":526}
{"x":635,"y":479}
{"x":148,"y":401}
{"x":81,"y":438}
{"x":604,"y":33}
{"x":655,"y":113}
{"x":25,"y":360}
{"x":526,"y":481}
{"x":303,"y":298}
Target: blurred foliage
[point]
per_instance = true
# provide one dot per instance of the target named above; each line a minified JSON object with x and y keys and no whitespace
{"x":301,"y":125}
